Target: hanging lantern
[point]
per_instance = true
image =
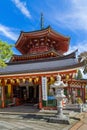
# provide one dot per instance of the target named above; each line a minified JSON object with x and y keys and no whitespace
{"x":17,"y":80}
{"x":67,"y":77}
{"x":23,"y":80}
{"x":12,"y":81}
{"x":5,"y":81}
{"x":37,"y":79}
{"x":30,"y":79}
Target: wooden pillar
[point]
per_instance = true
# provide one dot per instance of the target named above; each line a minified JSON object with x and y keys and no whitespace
{"x":27,"y":87}
{"x":35,"y":91}
{"x":40,"y":95}
{"x":3,"y":94}
{"x":12,"y":91}
{"x":69,"y":87}
{"x":84,"y":93}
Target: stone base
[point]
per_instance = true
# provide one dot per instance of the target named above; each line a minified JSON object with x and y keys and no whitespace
{"x":61,"y":120}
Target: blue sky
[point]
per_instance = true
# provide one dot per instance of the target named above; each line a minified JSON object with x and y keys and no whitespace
{"x":68,"y":17}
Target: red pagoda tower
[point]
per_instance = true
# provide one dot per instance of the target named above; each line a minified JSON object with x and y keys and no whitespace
{"x":28,"y":76}
{"x":41,"y":44}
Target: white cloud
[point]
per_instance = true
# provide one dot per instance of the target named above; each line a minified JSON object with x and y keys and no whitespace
{"x":78,"y":15}
{"x":81,"y":46}
{"x":73,"y":16}
{"x":22,"y":7}
{"x":6,"y":31}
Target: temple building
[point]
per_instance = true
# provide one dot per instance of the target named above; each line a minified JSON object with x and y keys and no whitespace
{"x":28,"y":76}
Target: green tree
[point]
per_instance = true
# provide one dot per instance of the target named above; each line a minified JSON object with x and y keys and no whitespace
{"x":5,"y":53}
{"x":79,"y":75}
{"x":83,"y":58}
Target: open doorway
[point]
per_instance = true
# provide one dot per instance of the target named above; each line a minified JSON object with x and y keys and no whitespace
{"x":33,"y":96}
{"x":27,"y":94}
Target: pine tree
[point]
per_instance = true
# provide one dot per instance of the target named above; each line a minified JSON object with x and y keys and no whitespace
{"x":83,"y":57}
{"x":79,"y":75}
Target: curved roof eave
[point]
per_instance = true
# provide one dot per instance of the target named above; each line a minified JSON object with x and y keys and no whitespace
{"x":20,"y":36}
{"x":71,"y":55}
{"x":59,"y":34}
{"x":45,"y":31}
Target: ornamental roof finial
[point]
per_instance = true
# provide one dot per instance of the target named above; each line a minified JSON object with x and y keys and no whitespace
{"x":42,"y":21}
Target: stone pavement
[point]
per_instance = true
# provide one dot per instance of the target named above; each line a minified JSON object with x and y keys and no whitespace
{"x":20,"y":109}
{"x":14,"y":124}
{"x":31,"y":118}
{"x":81,"y":125}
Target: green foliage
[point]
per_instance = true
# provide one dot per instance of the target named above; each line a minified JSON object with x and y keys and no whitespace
{"x":85,"y":66}
{"x":5,"y":53}
{"x":79,"y":75}
{"x":79,"y":100}
{"x":83,"y":57}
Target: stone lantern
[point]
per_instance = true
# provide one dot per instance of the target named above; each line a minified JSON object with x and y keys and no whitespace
{"x":59,"y":95}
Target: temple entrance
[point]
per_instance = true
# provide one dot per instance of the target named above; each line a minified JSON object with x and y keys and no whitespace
{"x":33,"y":94}
{"x":27,"y":94}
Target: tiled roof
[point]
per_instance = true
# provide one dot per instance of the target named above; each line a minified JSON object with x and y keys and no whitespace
{"x":27,"y":40}
{"x":39,"y":66}
{"x":59,"y":57}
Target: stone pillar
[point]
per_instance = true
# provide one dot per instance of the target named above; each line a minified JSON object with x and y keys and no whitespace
{"x":59,"y":108}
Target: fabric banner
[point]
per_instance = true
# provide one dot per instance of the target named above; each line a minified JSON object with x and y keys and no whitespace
{"x":44,"y":88}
